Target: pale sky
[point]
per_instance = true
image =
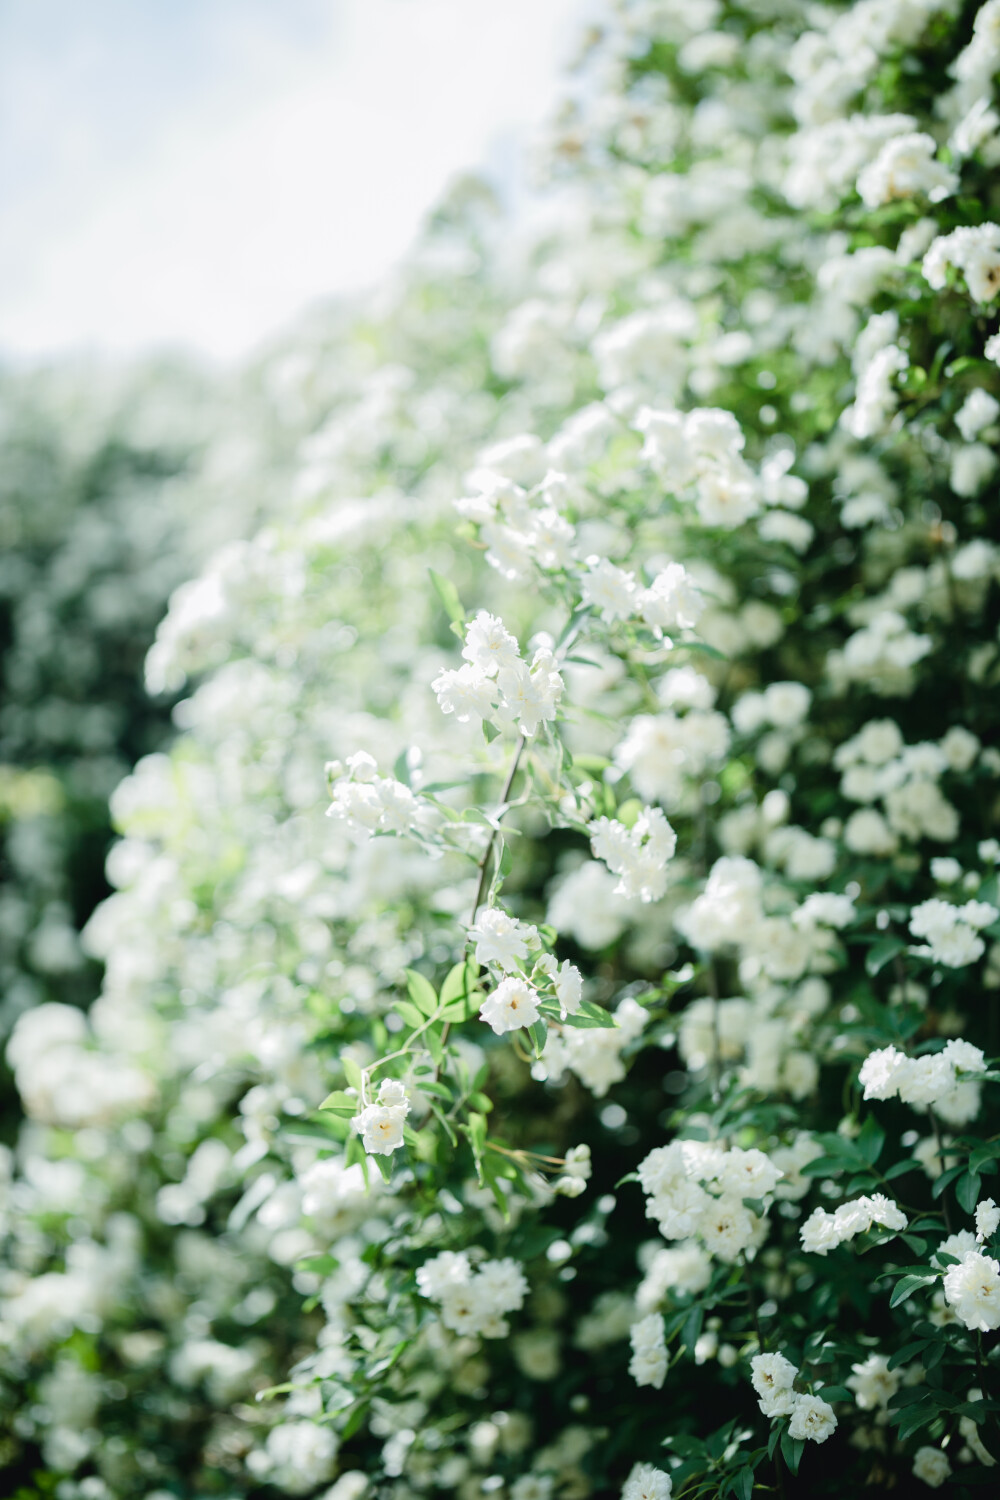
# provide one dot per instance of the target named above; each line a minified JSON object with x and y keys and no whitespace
{"x":195,"y":172}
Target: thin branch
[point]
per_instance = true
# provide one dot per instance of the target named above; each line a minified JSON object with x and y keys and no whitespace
{"x":484,"y":863}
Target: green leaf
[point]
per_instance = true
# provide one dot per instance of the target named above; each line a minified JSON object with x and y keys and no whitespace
{"x":691,"y":1331}
{"x":435,"y":1089}
{"x":590,"y":1014}
{"x":967,"y":1191}
{"x":352,"y":1072}
{"x":871,"y":1140}
{"x":338,"y":1103}
{"x":434,"y":1042}
{"x":741,"y":1485}
{"x":355,"y":1420}
{"x":421,"y":992}
{"x":408,"y":1013}
{"x":459,"y":981}
{"x":384,"y":1163}
{"x":908,"y":1352}
{"x":539,"y":1033}
{"x":791,"y":1451}
{"x":940,"y":1183}
{"x":907,"y":1285}
{"x":899,"y":1169}
{"x":475,"y":1129}
{"x":882,"y":953}
{"x":448,"y":594}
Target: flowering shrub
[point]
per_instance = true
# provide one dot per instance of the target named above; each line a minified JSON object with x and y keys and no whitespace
{"x":600,"y":1099}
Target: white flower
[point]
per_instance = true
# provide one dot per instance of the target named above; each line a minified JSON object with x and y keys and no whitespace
{"x":972,"y":464}
{"x":932,"y":1466}
{"x":772,"y":1376}
{"x":466,"y":692}
{"x":501,"y":939}
{"x":728,"y":910}
{"x":951,"y":930}
{"x":392,"y":1094}
{"x":576,"y":1172}
{"x":748,"y":1173}
{"x":812,"y":1418}
{"x":473,"y":1302}
{"x":825,"y":908}
{"x":503,"y":1282}
{"x":873,"y":1383}
{"x":975,"y":250}
{"x":530,"y":696}
{"x":450,"y":1268}
{"x":880,"y":1072}
{"x":906,"y":166}
{"x":568,"y":984}
{"x":727,"y":1227}
{"x":672,"y":601}
{"x":638,"y":855}
{"x":987,"y":1219}
{"x":647,"y":1483}
{"x":964,"y":1056}
{"x":648,"y":1365}
{"x":513,"y":1003}
{"x":972,"y":1288}
{"x":381,"y":1127}
{"x":978,"y":411}
{"x":609,"y":589}
{"x":489,"y":645}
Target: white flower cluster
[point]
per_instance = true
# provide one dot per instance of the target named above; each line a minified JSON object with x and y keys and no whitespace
{"x":823,"y":1231}
{"x":369,"y":803}
{"x":473,"y":1300}
{"x":700,"y":453}
{"x":952,"y":932}
{"x":729,"y":909}
{"x":502,"y":940}
{"x":697,"y":1188}
{"x":906,"y":167}
{"x":523,"y":528}
{"x":593,"y":1053}
{"x":933,"y":1081}
{"x":876,"y":764}
{"x":638,"y":855}
{"x":496,"y":684}
{"x":648,"y":1365}
{"x":773,"y":1378}
{"x":666,"y":755}
{"x":381,"y":1124}
{"x":973,"y":250}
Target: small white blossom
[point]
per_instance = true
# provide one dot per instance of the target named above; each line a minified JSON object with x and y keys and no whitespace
{"x":987,"y":1219}
{"x":514,"y":1003}
{"x":501,"y":939}
{"x":972,"y":1288}
{"x":647,"y":1483}
{"x":638,"y":855}
{"x":812,"y":1419}
{"x":931,"y":1466}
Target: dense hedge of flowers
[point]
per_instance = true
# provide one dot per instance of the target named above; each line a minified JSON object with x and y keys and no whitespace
{"x":600,"y":1100}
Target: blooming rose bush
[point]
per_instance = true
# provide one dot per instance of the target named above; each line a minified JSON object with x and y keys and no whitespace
{"x":602,"y":1098}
